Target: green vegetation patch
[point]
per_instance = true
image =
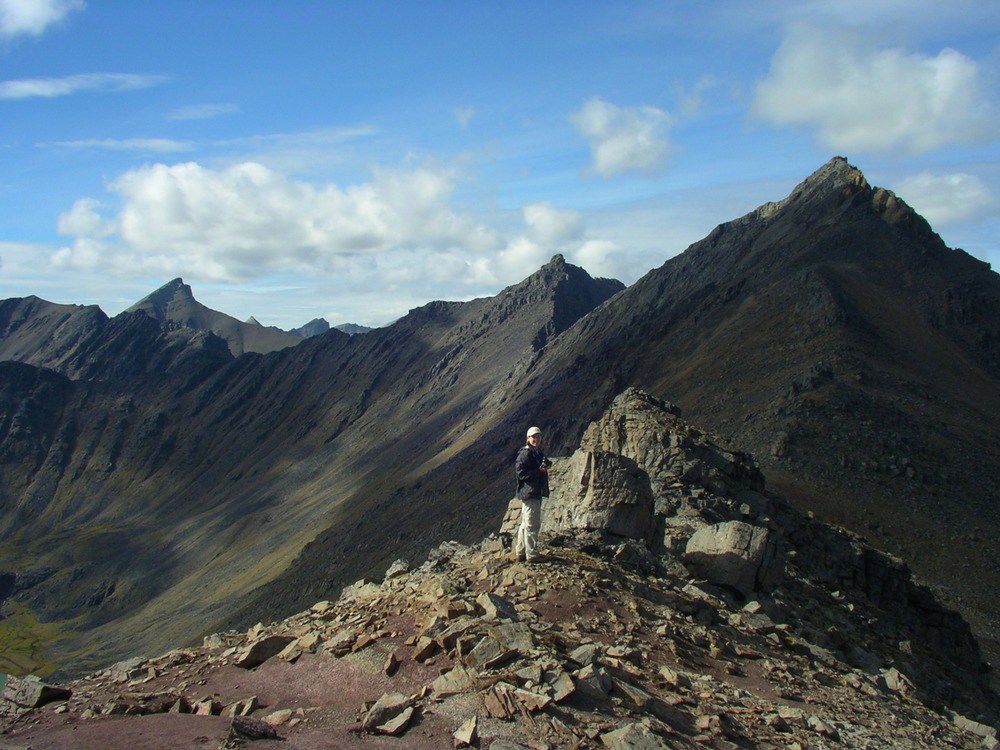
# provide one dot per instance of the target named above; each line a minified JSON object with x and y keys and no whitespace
{"x":23,"y":638}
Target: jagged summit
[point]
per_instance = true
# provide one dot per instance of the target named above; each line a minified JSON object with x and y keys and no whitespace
{"x":840,"y":183}
{"x":174,"y":297}
{"x":174,"y":303}
{"x":568,"y":291}
{"x":37,"y":332}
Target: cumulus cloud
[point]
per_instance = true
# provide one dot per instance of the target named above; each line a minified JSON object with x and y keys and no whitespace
{"x":860,"y":97}
{"x":519,"y":258}
{"x":600,"y":258}
{"x":624,"y":139}
{"x":550,"y":225}
{"x":395,"y":240}
{"x":83,"y":220}
{"x":33,"y":16}
{"x":948,"y":198}
{"x":29,"y":88}
{"x":248,"y":220}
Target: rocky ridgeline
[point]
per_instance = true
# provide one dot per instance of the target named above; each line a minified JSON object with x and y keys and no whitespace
{"x":679,"y":605}
{"x":644,"y":475}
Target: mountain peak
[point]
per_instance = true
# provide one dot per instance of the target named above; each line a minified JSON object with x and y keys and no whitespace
{"x":172,"y":293}
{"x":838,"y":169}
{"x":837,"y":179}
{"x":174,"y":302}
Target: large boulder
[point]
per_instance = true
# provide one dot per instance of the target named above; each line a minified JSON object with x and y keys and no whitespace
{"x":31,"y":692}
{"x":600,"y":491}
{"x":736,"y":554}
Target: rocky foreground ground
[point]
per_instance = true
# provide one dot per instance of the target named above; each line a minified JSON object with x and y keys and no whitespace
{"x":473,"y":649}
{"x":678,"y":606}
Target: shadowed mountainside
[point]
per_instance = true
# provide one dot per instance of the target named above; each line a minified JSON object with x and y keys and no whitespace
{"x":650,"y":623}
{"x":164,"y":503}
{"x":832,"y":334}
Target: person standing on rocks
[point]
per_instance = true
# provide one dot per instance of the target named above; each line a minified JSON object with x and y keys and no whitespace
{"x":532,"y":468}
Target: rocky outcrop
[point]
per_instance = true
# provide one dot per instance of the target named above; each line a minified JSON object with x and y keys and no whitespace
{"x":642,"y":473}
{"x":661,"y":494}
{"x":735,"y":554}
{"x":32,"y":692}
{"x":604,"y":492}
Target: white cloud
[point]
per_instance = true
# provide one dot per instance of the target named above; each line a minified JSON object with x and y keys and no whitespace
{"x":29,"y":88}
{"x":83,"y":220}
{"x":623,"y":139}
{"x":550,"y":225}
{"x":859,"y":97}
{"x":202,"y":111}
{"x":691,"y":101}
{"x":881,"y":14}
{"x":948,"y":198}
{"x":248,"y":220}
{"x":33,"y":16}
{"x":600,"y":258}
{"x":155,"y":145}
{"x":520,"y":258}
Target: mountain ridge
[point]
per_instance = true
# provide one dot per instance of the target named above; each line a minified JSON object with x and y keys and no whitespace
{"x":759,"y":332}
{"x":174,"y":302}
{"x":230,"y":428}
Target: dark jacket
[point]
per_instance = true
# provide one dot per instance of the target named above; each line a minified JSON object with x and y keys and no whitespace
{"x":532,"y":484}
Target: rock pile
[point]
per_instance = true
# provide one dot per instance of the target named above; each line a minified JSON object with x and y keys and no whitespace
{"x":617,"y":640}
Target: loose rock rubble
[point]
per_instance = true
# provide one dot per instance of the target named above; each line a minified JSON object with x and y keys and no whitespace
{"x":612,"y":641}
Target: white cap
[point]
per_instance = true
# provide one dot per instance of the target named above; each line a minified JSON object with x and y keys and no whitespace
{"x":534,"y":431}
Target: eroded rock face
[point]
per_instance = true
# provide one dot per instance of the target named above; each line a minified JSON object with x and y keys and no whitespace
{"x":736,"y":554}
{"x":671,"y":451}
{"x":601,"y":491}
{"x":644,"y":474}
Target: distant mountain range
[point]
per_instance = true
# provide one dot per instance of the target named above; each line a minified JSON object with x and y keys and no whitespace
{"x":149,"y":475}
{"x":60,"y":337}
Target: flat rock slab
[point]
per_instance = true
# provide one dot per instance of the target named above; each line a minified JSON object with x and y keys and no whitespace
{"x":31,"y":692}
{"x":262,"y":650}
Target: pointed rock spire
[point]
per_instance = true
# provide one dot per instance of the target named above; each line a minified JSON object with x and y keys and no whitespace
{"x":173,"y":294}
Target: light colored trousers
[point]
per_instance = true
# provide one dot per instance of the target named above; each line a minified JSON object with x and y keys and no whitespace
{"x":526,"y":544}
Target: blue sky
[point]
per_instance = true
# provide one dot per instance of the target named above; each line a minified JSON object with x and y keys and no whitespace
{"x":293,"y":160}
